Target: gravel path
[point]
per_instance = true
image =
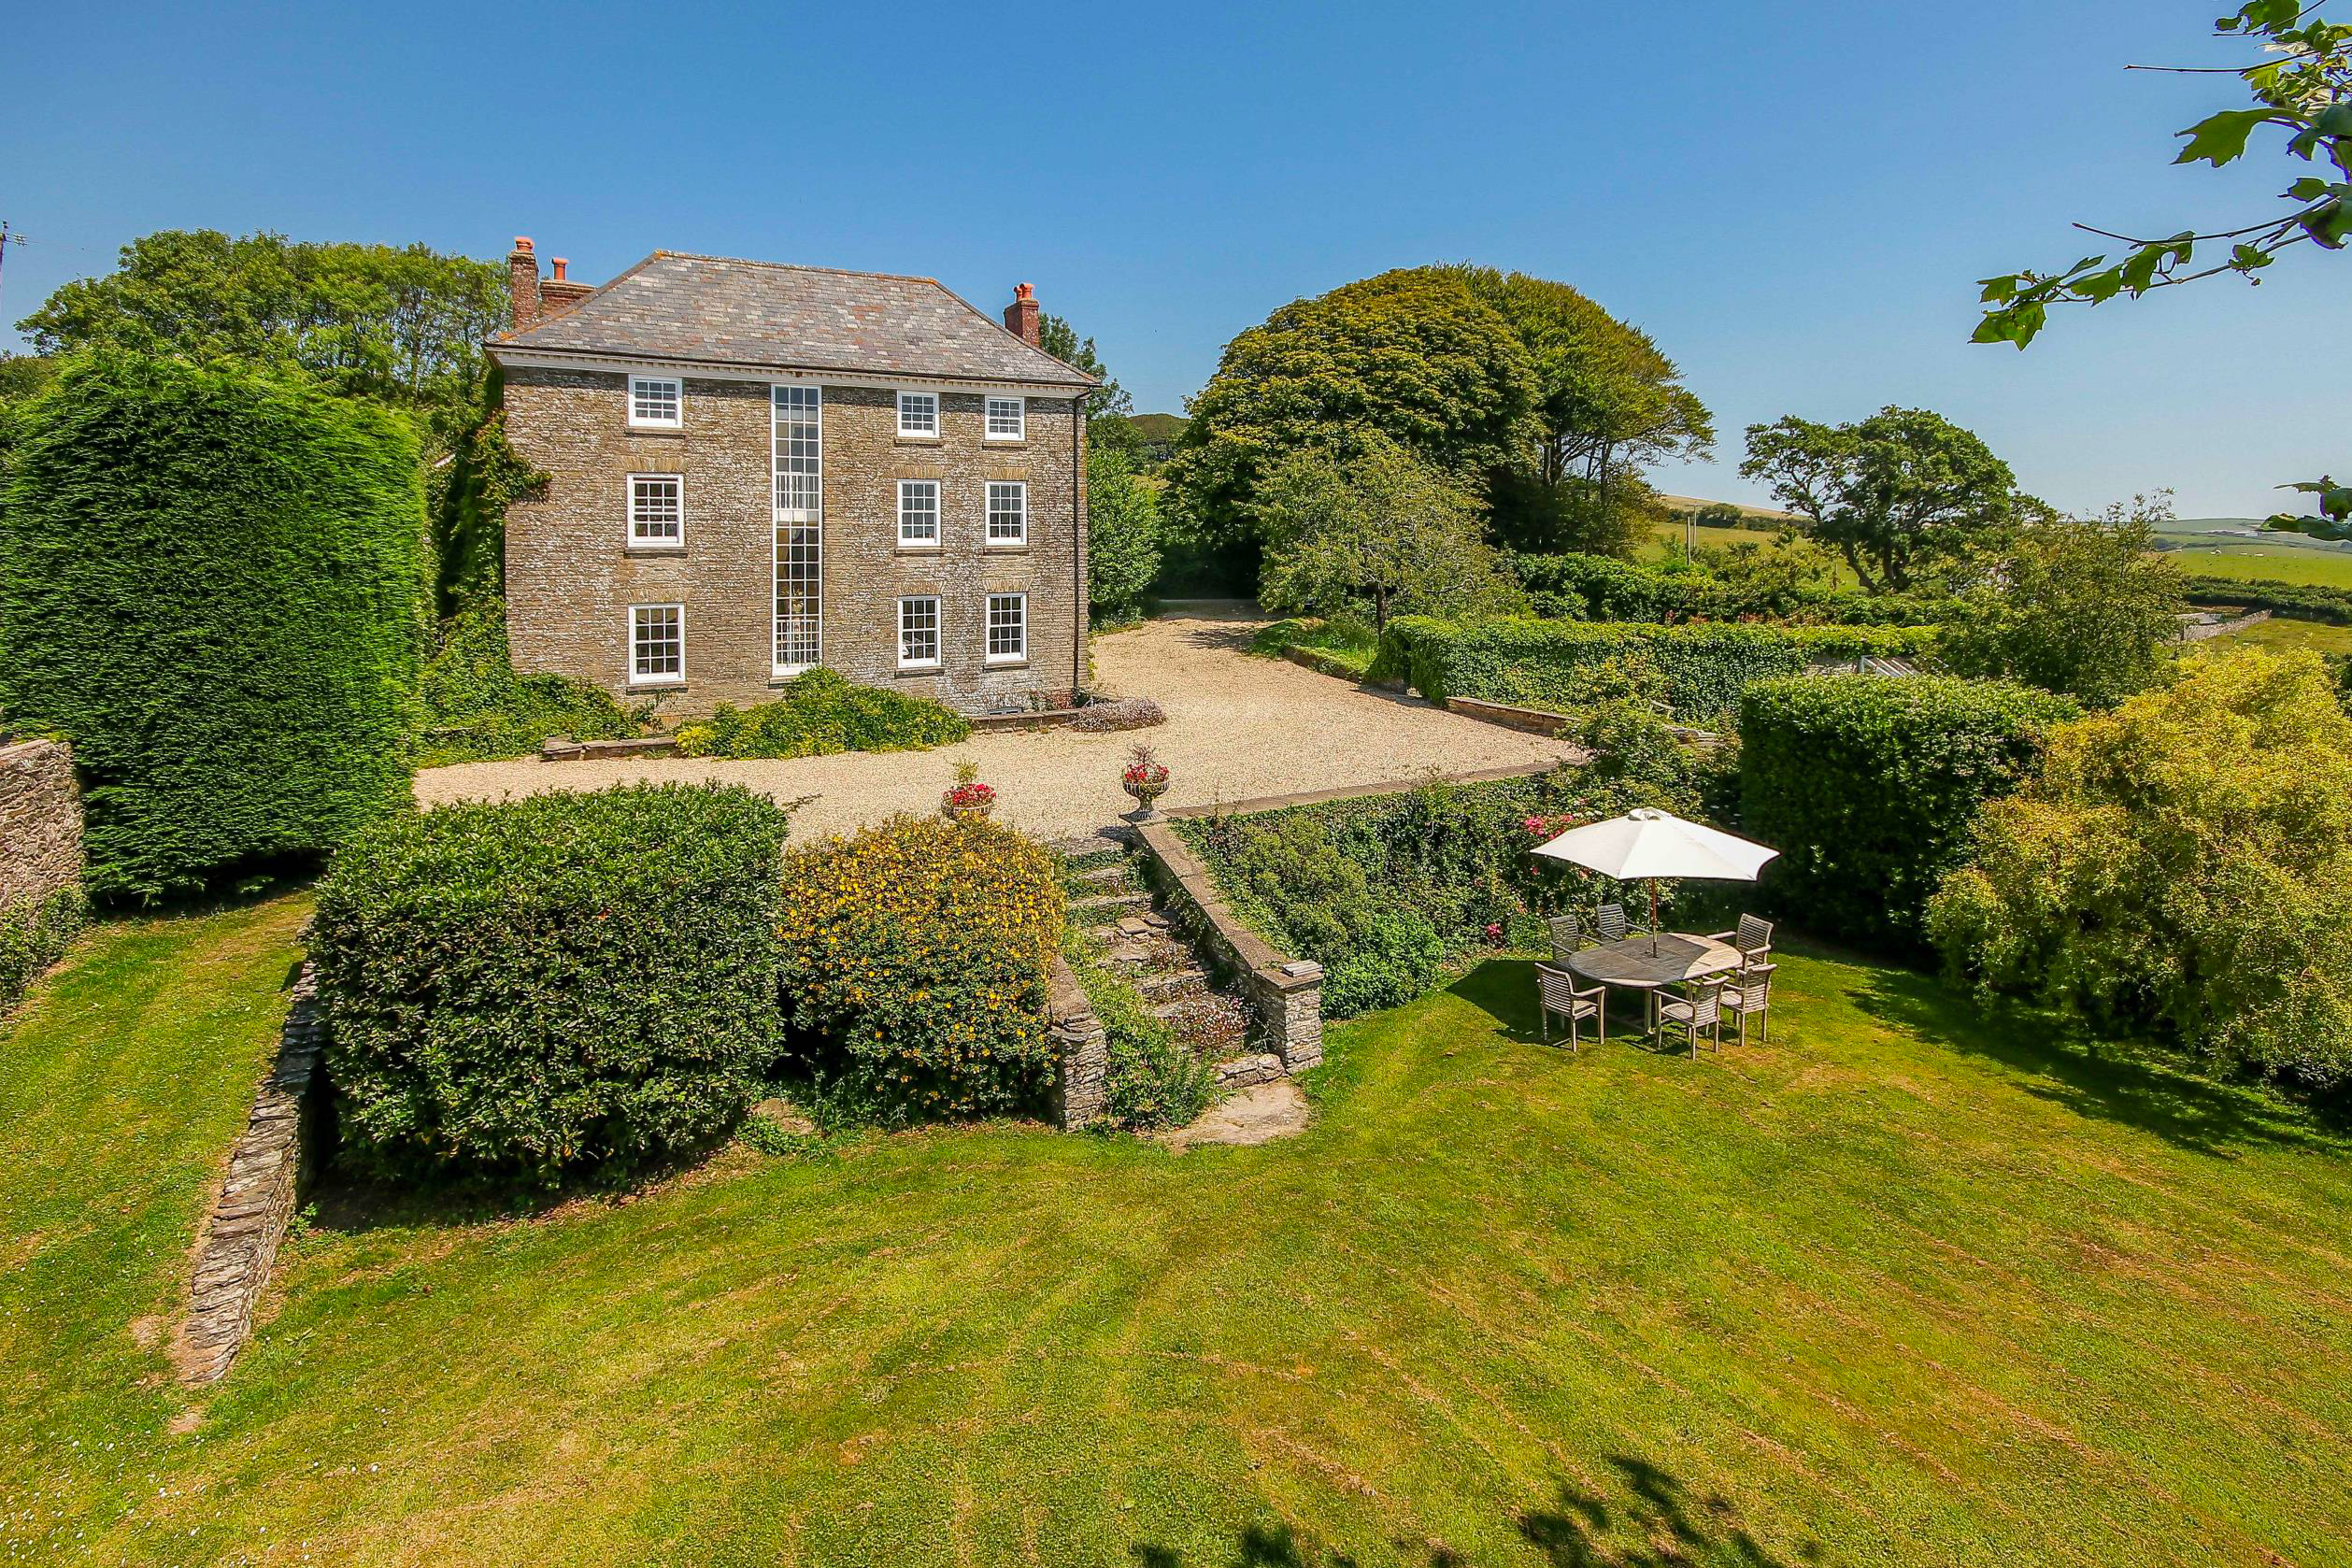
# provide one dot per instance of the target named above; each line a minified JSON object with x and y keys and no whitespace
{"x":1238,"y":728}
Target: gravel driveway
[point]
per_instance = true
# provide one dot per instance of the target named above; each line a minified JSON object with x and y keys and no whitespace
{"x":1238,"y":728}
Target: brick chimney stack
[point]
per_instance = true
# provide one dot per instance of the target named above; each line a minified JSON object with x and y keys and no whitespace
{"x":559,"y":293}
{"x":1020,"y":317}
{"x":523,"y":270}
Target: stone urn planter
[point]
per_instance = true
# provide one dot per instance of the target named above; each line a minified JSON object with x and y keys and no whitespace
{"x":970,"y":800}
{"x":1147,"y":780}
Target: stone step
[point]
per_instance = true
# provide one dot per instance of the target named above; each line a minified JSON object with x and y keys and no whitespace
{"x":1111,"y":873}
{"x":1173,"y":983}
{"x":1245,"y":1072}
{"x":1092,"y":848}
{"x":1106,"y":904}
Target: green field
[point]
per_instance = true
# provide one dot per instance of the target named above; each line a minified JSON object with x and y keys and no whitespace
{"x":1905,"y":1286}
{"x":2322,"y":568}
{"x":2278,"y":632}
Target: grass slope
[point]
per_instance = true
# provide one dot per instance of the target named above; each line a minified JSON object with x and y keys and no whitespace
{"x":1905,"y":1285}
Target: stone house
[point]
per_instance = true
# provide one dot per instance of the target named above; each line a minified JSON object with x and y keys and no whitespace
{"x":755,"y":469}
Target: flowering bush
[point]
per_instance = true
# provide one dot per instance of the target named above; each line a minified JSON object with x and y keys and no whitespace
{"x":820,"y":713}
{"x":915,"y":967}
{"x":967,"y":795}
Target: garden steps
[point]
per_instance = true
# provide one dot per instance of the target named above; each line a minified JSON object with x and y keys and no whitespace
{"x":1127,"y":901}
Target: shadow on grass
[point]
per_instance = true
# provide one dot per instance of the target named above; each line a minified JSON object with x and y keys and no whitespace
{"x":1658,"y":1524}
{"x":2133,"y":1082}
{"x":1503,"y":988}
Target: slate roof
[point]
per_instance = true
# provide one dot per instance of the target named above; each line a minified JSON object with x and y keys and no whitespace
{"x":713,"y":310}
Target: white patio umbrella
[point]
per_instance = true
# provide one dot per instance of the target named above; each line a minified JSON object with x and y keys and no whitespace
{"x":1645,"y":845}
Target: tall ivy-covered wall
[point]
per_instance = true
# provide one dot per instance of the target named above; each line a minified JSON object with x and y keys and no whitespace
{"x":212,"y":583}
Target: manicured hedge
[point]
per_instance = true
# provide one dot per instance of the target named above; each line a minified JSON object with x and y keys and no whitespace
{"x":1548,"y":664}
{"x":1602,"y":588}
{"x":213,"y":583}
{"x":1867,"y":784}
{"x":558,"y":984}
{"x":822,"y":712}
{"x":916,"y":964}
{"x":2296,"y":601}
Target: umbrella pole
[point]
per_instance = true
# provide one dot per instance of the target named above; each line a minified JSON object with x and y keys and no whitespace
{"x":1653,"y":915}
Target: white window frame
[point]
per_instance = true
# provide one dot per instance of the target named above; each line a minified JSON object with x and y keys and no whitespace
{"x":936,"y":412}
{"x":989,"y":405}
{"x":800,"y":526}
{"x":938,"y":637}
{"x":676,"y":399}
{"x":1020,"y":489}
{"x":938,"y":522}
{"x":988,"y":630}
{"x":657,"y":541}
{"x":637,"y":645}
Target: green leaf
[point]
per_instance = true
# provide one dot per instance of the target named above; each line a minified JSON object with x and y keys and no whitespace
{"x":2220,"y":138}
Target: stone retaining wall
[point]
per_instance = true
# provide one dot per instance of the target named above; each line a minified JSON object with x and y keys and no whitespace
{"x":1080,"y":1093}
{"x":267,"y":1167}
{"x":40,"y":822}
{"x":1285,"y":995}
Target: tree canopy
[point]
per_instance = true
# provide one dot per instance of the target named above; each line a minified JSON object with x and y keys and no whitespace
{"x":1382,"y":531}
{"x":2084,"y":606}
{"x":402,"y":325}
{"x":1894,"y":494}
{"x":1413,"y":355}
{"x":1522,"y":389}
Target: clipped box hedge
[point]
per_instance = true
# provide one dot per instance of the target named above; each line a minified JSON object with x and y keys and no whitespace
{"x":1603,"y":587}
{"x":529,"y":988}
{"x":1867,"y":784}
{"x":1537,"y":663}
{"x":213,"y":583}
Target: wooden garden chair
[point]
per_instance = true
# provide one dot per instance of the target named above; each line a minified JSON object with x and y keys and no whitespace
{"x":1556,"y":997}
{"x":1749,"y":996}
{"x":1753,"y":937}
{"x":1567,"y":936}
{"x":1698,"y":1007}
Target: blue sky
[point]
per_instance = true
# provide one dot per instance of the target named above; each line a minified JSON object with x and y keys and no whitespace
{"x":1794,"y":200}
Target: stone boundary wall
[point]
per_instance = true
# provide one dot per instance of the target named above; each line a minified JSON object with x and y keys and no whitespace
{"x":40,"y":822}
{"x":268,"y":1165}
{"x":1285,"y":995}
{"x":1531,"y":721}
{"x":1081,"y":1096}
{"x":2194,"y":630}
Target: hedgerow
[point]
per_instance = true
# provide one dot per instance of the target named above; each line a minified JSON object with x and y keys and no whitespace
{"x":822,"y":712}
{"x":529,"y":988}
{"x":916,"y":963}
{"x":1603,"y":587}
{"x":2296,"y":601}
{"x":213,"y":583}
{"x":1701,"y":669}
{"x":1867,"y":784}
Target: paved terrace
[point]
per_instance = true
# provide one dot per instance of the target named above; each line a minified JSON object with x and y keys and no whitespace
{"x":1239,"y":728}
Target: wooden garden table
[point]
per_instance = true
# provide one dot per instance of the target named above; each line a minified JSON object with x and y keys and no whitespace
{"x":1631,"y":964}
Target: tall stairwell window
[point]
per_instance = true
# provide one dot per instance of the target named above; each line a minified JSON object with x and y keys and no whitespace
{"x":800,"y":504}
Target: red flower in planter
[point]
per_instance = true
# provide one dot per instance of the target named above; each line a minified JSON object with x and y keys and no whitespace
{"x":969,"y":795}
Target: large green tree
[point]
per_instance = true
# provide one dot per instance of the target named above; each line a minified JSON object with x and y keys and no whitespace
{"x":402,"y":325}
{"x":1379,"y":531}
{"x":2080,"y":606}
{"x":1414,"y":356}
{"x":1894,"y":494}
{"x":1608,"y":405}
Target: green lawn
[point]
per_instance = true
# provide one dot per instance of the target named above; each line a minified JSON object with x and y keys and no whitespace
{"x":2278,"y":632}
{"x":2322,"y":567}
{"x":1905,"y":1285}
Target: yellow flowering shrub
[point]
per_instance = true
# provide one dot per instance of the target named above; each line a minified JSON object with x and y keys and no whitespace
{"x":916,"y":964}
